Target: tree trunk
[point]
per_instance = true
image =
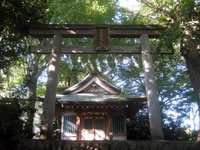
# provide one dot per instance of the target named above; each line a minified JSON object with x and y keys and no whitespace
{"x":191,"y":53}
{"x":34,"y":70}
{"x":31,"y":107}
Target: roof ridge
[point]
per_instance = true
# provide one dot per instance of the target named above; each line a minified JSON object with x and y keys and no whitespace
{"x":87,"y":79}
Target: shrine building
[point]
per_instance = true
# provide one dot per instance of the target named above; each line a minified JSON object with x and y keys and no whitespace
{"x":95,"y":110}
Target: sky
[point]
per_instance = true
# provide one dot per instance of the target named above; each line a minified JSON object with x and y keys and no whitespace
{"x":130,"y":4}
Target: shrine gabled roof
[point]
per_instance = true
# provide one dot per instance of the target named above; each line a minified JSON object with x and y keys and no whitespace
{"x":84,"y":93}
{"x":93,"y":89}
{"x":100,"y":99}
{"x":90,"y":81}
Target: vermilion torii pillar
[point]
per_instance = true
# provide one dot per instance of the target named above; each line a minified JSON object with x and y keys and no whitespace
{"x":144,"y":32}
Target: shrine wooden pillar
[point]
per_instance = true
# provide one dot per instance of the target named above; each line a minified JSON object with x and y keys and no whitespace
{"x":151,"y":90}
{"x":50,"y":96}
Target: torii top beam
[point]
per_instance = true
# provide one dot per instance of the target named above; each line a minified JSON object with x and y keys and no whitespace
{"x":88,"y":31}
{"x":82,"y":30}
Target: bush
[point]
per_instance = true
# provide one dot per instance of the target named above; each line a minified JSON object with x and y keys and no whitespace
{"x":11,"y":123}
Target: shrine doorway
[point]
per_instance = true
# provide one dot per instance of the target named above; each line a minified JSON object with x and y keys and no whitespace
{"x":93,"y":128}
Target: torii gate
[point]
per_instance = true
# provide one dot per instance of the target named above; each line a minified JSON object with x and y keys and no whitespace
{"x":101,"y":35}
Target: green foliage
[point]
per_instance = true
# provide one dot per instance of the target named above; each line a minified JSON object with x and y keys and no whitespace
{"x":173,"y":131}
{"x":14,"y":15}
{"x":11,"y":124}
{"x":181,"y":19}
{"x":57,"y":128}
{"x":138,"y":128}
{"x":12,"y":83}
{"x":92,"y":11}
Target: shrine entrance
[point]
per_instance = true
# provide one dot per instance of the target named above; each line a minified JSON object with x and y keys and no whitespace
{"x":101,"y":35}
{"x":93,"y":128}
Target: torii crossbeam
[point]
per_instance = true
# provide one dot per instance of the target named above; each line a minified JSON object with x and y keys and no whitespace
{"x":58,"y":32}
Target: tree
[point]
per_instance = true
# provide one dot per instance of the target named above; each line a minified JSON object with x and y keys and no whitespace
{"x":14,"y":15}
{"x":182,"y":26}
{"x":14,"y":44}
{"x":33,"y":67}
{"x":92,"y":11}
{"x":21,"y":81}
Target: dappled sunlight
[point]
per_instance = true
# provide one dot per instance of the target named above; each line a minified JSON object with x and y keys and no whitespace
{"x":198,"y":46}
{"x":39,"y":50}
{"x":152,"y":81}
{"x":71,"y":31}
{"x":149,"y":92}
{"x":45,"y":127}
{"x":99,"y":135}
{"x":93,"y":134}
{"x":87,"y":134}
{"x":146,"y":66}
{"x":73,"y":138}
{"x":52,"y":68}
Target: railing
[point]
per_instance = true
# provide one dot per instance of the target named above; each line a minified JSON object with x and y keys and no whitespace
{"x":106,"y":145}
